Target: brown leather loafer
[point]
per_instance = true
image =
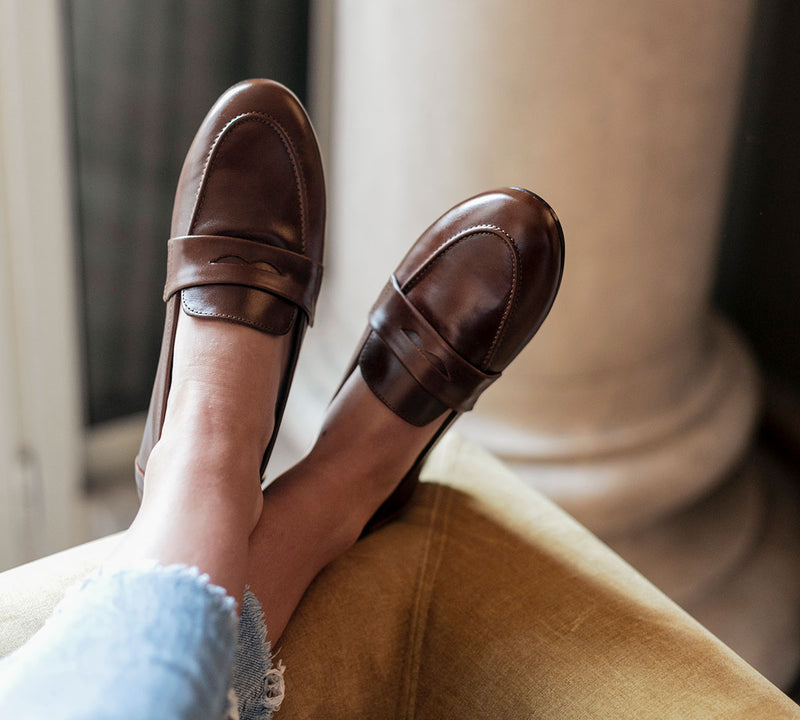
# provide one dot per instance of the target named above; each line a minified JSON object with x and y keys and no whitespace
{"x":462,"y":304}
{"x":247,"y":232}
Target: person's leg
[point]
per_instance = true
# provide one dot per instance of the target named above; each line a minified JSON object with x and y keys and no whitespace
{"x":150,"y":635}
{"x":243,"y":272}
{"x":318,"y":508}
{"x":202,"y":493}
{"x":465,"y":300}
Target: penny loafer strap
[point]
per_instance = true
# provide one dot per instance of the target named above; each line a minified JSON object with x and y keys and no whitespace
{"x":196,"y":260}
{"x":422,"y":351}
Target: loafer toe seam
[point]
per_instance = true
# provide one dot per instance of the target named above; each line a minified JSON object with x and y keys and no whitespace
{"x":288,"y":144}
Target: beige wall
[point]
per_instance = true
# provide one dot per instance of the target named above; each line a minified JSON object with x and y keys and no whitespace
{"x":40,"y":441}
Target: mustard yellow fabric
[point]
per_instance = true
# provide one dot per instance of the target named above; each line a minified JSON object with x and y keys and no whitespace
{"x":482,"y":600}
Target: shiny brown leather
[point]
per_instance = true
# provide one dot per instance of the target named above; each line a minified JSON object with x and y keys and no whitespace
{"x":247,"y":231}
{"x":462,"y":304}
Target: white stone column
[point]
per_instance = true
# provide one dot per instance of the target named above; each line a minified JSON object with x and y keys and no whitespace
{"x":634,"y":401}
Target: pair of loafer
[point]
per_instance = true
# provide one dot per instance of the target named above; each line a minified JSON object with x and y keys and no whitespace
{"x":246,"y":247}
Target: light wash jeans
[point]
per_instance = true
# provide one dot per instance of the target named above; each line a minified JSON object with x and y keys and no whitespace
{"x":144,"y":642}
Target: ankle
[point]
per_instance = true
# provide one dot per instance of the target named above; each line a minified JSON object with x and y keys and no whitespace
{"x":216,"y":409}
{"x":347,"y":493}
{"x":201,"y":477}
{"x":225,"y":379}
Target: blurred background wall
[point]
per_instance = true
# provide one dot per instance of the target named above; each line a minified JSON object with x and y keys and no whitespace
{"x":667,"y":140}
{"x":142,"y":75}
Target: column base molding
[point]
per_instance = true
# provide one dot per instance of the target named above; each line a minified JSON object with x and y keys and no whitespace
{"x":630,"y":485}
{"x":730,"y":561}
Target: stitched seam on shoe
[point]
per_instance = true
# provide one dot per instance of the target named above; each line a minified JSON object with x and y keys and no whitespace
{"x":288,"y":146}
{"x":201,"y":184}
{"x":428,"y":571}
{"x":426,"y":264}
{"x":429,"y":262}
{"x":240,"y":319}
{"x":302,"y":190}
{"x":516,"y":273}
{"x":511,"y":296}
{"x":426,"y":267}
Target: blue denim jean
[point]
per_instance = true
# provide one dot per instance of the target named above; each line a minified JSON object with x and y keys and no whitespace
{"x":145,"y":642}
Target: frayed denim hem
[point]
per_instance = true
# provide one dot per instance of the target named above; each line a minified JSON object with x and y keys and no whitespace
{"x":145,"y":641}
{"x":258,"y":687}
